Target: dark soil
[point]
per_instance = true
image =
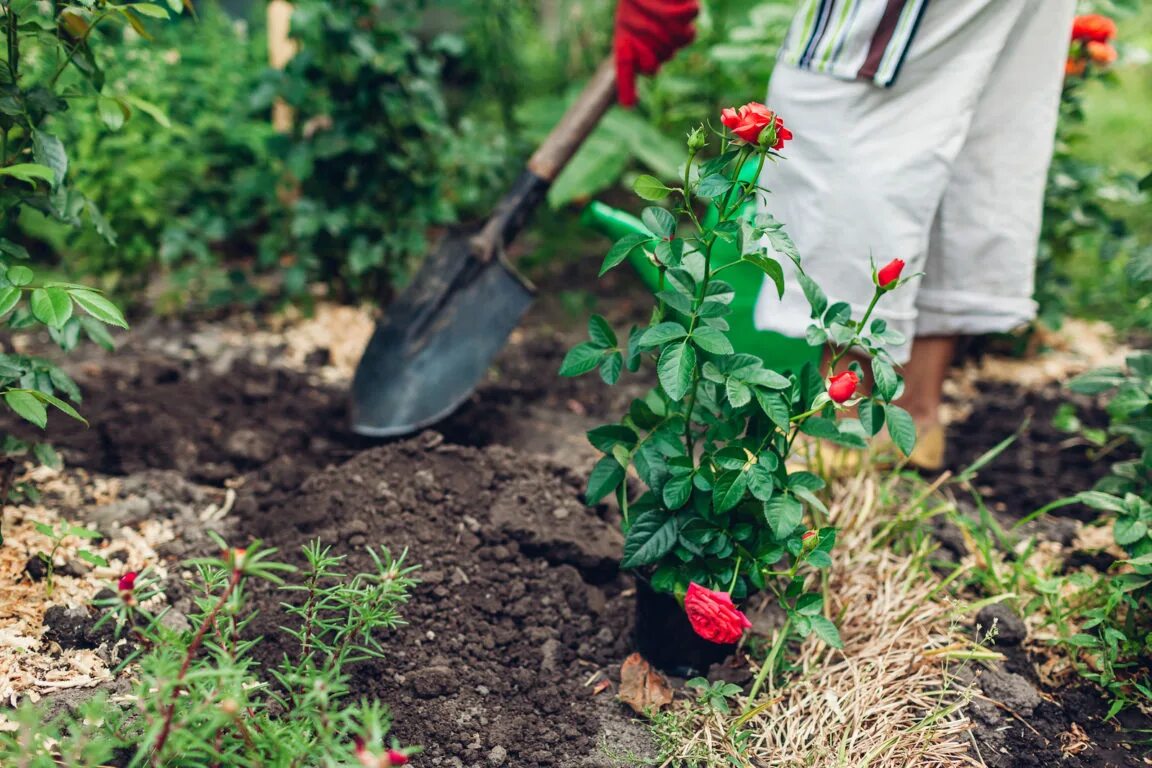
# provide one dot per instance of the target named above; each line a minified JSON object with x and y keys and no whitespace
{"x":1043,"y":464}
{"x":519,"y":602}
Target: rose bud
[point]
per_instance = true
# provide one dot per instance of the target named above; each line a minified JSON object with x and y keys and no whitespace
{"x":889,"y":273}
{"x":810,"y":539}
{"x":127,"y":582}
{"x":842,"y":386}
{"x":1074,"y":67}
{"x":395,"y":757}
{"x":1100,"y":53}
{"x":713,"y":616}
{"x":751,"y":121}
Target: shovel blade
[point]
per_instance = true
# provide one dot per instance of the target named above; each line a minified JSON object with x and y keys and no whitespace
{"x":425,"y":359}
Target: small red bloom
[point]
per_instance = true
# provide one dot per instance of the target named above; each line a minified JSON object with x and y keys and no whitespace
{"x":713,"y":616}
{"x":127,"y":582}
{"x":889,"y":273}
{"x":842,"y":386}
{"x":396,"y":758}
{"x":1074,"y":67}
{"x":751,"y":120}
{"x":807,"y":535}
{"x":1100,"y":53}
{"x":1093,"y":27}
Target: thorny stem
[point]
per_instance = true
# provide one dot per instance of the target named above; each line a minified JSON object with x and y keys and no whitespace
{"x":205,"y":625}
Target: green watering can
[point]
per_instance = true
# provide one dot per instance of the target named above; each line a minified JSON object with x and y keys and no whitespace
{"x":780,"y":353}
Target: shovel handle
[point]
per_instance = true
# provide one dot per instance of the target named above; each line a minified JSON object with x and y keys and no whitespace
{"x":546,"y":163}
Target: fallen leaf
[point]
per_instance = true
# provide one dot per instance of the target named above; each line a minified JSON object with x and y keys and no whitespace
{"x":642,"y":687}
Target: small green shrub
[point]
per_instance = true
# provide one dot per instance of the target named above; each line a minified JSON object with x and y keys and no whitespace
{"x":200,"y":698}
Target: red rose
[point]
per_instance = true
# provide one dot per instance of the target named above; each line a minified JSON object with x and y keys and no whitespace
{"x":1074,"y":67}
{"x":1093,"y":27}
{"x":842,"y":386}
{"x":127,"y":582}
{"x":889,"y":273}
{"x":748,"y":122}
{"x":713,"y":615}
{"x":1100,"y":53}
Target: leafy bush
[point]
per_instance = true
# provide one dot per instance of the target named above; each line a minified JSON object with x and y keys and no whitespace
{"x":202,"y":699}
{"x":723,"y":506}
{"x":48,"y":65}
{"x":1115,"y":615}
{"x":190,"y":172}
{"x":365,"y":151}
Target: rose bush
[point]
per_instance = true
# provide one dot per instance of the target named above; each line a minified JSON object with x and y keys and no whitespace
{"x":723,"y":510}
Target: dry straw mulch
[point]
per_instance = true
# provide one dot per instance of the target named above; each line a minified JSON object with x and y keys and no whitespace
{"x":889,"y":699}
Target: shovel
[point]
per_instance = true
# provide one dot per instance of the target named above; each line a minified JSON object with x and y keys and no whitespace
{"x":439,"y":337}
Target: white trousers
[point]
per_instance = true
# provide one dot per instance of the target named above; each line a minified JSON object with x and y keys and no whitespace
{"x":945,"y":169}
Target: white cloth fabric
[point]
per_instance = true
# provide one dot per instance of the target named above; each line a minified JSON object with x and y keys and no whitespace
{"x":944,"y":169}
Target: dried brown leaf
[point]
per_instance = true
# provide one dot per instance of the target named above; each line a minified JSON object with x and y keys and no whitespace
{"x":642,"y":687}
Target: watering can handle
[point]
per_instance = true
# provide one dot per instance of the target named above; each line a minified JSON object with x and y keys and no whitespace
{"x":547,"y":162}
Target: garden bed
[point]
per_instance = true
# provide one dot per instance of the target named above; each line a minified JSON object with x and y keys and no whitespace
{"x":520,"y":616}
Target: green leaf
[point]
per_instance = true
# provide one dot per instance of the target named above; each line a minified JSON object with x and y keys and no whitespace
{"x":784,"y":514}
{"x":51,"y":306}
{"x":98,"y":333}
{"x":150,"y":10}
{"x":49,"y":150}
{"x":675,"y":369}
{"x":659,"y":221}
{"x":774,"y":406}
{"x":712,"y":340}
{"x":728,"y":490}
{"x":581,"y":359}
{"x":885,"y":377}
{"x":60,"y":405}
{"x":816,"y":298}
{"x":677,"y":491}
{"x":871,"y":417}
{"x":651,"y":536}
{"x":99,"y":307}
{"x":622,"y":248}
{"x":779,"y":239}
{"x":605,"y":437}
{"x":1128,"y":530}
{"x":113,"y":112}
{"x":901,"y":427}
{"x":713,"y":186}
{"x":29,"y":173}
{"x":650,"y":188}
{"x":761,"y":481}
{"x":739,"y":394}
{"x":27,"y":406}
{"x":20,"y":275}
{"x":770,"y":267}
{"x":826,"y":631}
{"x":92,"y":557}
{"x":610,"y":368}
{"x":606,"y":477}
{"x":9,"y":298}
{"x":809,"y":604}
{"x":662,"y":334}
{"x":601,"y":332}
{"x":47,"y":455}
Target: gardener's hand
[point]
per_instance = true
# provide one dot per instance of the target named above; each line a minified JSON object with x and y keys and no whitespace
{"x":648,"y":33}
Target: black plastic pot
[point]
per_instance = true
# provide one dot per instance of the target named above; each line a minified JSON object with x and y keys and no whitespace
{"x":665,"y":637}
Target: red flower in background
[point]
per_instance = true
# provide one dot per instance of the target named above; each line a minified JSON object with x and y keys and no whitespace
{"x":1100,"y":53}
{"x":127,"y":582}
{"x":1093,"y":27}
{"x":842,"y":386}
{"x":713,"y":616}
{"x":750,"y":120}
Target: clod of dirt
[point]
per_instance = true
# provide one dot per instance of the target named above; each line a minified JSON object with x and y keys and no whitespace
{"x":74,"y":628}
{"x":1012,"y":690}
{"x":36,"y":569}
{"x":1010,"y":628}
{"x":642,"y":687}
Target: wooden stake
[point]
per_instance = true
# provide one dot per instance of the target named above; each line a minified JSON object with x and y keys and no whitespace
{"x":281,"y":49}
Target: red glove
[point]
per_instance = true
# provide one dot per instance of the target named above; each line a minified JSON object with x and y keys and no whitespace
{"x":648,"y":33}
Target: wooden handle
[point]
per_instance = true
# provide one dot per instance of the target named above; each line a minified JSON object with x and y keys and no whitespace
{"x":562,"y":143}
{"x":546,"y":163}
